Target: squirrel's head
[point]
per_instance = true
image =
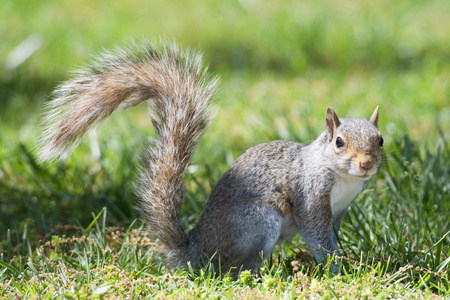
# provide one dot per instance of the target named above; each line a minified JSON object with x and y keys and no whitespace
{"x":355,"y":145}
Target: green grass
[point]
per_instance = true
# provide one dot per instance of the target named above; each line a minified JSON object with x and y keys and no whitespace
{"x":68,"y":230}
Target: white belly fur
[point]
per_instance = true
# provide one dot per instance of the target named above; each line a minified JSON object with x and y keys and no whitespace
{"x":343,"y":192}
{"x":288,"y":228}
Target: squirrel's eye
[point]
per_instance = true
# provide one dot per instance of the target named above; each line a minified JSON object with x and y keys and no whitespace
{"x":339,"y":142}
{"x":381,"y":141}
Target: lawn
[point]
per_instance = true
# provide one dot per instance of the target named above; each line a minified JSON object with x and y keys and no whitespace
{"x":70,"y":229}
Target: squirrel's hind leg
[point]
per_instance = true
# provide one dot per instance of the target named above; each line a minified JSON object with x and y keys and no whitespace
{"x":259,"y":239}
{"x":240,"y":236}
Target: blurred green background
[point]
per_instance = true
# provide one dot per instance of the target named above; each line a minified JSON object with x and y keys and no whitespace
{"x":281,"y":63}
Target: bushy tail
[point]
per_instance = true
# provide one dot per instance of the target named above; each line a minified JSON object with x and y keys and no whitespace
{"x":180,"y":92}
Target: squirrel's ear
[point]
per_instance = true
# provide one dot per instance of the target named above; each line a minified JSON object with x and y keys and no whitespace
{"x":332,"y":121}
{"x":374,"y":118}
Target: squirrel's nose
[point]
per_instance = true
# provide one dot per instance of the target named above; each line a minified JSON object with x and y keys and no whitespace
{"x":366,"y":164}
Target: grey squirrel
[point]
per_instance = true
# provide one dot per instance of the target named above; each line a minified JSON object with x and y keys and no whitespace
{"x":269,"y":193}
